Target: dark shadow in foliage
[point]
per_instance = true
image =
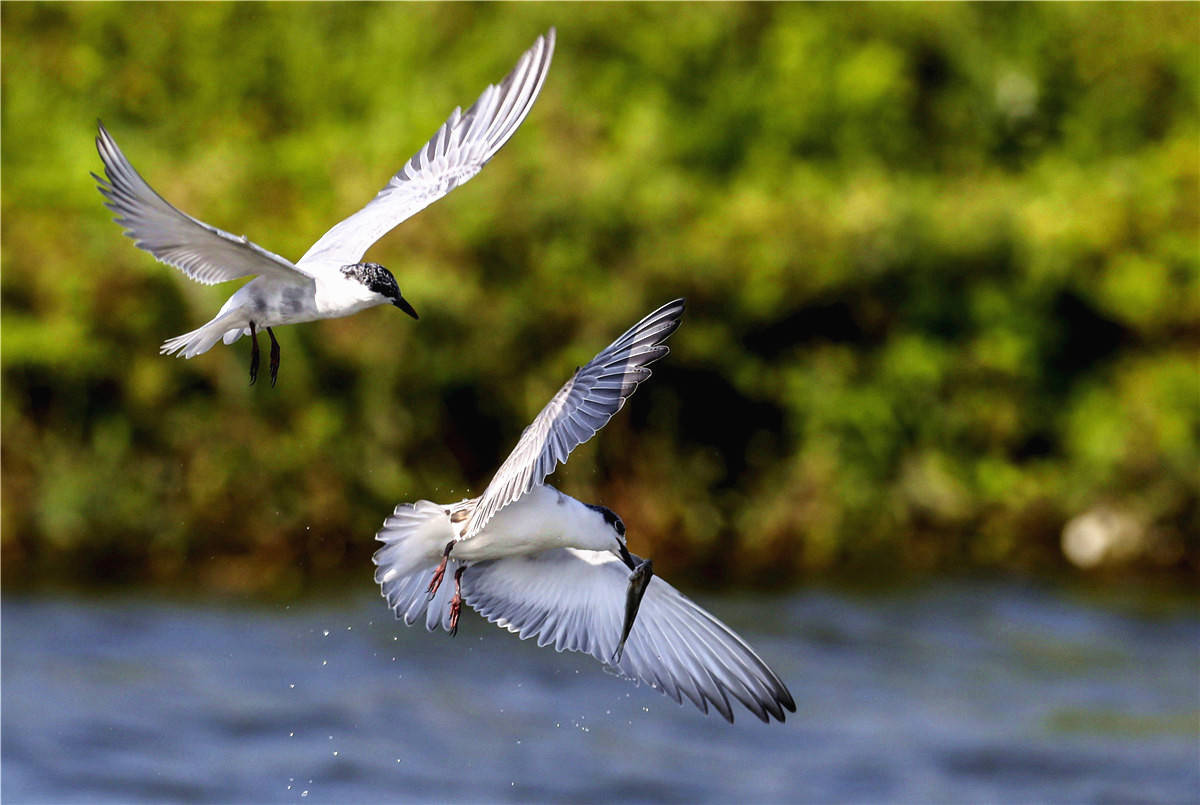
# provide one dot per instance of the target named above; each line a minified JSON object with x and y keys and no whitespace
{"x":845,"y":318}
{"x":475,"y":432}
{"x":712,"y":414}
{"x":1083,"y":339}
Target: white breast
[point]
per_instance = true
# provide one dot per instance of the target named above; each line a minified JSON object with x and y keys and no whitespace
{"x":543,"y":519}
{"x":337,"y":295}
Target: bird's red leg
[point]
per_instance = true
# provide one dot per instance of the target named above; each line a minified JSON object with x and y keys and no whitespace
{"x":456,"y":601}
{"x":440,"y":572}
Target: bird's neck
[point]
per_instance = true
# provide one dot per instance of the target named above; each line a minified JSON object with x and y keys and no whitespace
{"x":338,"y":295}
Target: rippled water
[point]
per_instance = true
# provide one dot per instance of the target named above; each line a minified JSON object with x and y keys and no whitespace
{"x":957,"y":693}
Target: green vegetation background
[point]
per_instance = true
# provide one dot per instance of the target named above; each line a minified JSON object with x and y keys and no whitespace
{"x":941,"y":263}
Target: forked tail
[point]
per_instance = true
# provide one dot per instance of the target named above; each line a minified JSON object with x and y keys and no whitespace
{"x":413,"y":540}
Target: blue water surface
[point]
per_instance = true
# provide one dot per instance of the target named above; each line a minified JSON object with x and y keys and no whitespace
{"x":952,"y":693}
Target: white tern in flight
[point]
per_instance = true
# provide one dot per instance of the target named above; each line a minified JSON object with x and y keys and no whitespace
{"x":542,"y":564}
{"x":330,"y":280}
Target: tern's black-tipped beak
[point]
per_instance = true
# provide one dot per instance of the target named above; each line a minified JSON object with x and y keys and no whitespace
{"x":403,"y":304}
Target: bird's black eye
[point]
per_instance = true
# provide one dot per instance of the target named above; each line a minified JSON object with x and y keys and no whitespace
{"x":610,"y":517}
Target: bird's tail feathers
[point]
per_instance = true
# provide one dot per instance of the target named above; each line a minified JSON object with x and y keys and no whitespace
{"x":414,"y":538}
{"x":234,"y":334}
{"x":198,"y":341}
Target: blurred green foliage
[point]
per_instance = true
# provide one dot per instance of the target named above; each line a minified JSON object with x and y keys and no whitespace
{"x":942,"y":263}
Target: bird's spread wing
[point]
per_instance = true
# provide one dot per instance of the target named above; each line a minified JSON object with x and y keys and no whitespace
{"x":206,"y":254}
{"x":574,"y":600}
{"x":580,"y":408}
{"x":459,"y":149}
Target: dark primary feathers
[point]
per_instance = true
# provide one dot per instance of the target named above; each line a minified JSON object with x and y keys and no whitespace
{"x":580,"y":408}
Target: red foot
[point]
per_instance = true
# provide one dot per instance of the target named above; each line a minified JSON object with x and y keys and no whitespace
{"x":436,"y":581}
{"x":456,"y":601}
{"x":439,"y":573}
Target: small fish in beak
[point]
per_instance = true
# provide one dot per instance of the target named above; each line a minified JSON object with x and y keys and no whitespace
{"x":639,"y":580}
